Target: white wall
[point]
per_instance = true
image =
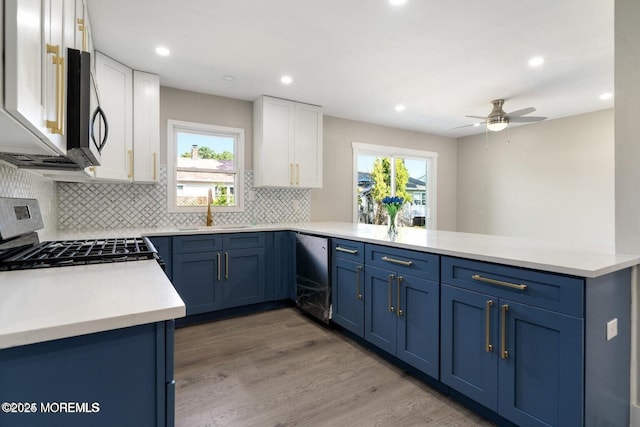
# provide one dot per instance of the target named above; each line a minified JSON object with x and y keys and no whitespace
{"x":334,"y":202}
{"x":553,"y":181}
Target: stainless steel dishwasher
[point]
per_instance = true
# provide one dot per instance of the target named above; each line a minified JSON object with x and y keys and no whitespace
{"x":313,"y":284}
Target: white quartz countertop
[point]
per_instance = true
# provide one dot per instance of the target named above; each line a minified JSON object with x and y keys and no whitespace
{"x":47,"y":304}
{"x":527,"y":253}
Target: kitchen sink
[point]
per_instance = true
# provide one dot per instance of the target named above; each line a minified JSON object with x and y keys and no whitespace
{"x":213,"y":228}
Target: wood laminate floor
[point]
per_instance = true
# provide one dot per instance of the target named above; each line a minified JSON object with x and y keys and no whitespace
{"x":279,"y":368}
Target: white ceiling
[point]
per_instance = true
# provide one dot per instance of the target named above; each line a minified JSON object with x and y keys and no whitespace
{"x":359,"y":58}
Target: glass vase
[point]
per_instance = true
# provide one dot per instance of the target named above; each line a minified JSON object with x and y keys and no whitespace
{"x":393,"y":223}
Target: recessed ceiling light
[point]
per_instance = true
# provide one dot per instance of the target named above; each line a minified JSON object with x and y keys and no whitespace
{"x":228,"y":78}
{"x":536,"y":61}
{"x":162,"y":51}
{"x":476,"y":124}
{"x":606,"y":95}
{"x":399,"y":107}
{"x":286,"y":80}
{"x":397,"y":2}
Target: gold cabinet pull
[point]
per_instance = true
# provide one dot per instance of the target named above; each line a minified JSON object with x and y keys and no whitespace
{"x":358,"y":270}
{"x":219,"y":264}
{"x":155,"y":166}
{"x":397,"y":261}
{"x":399,"y":311}
{"x":391,"y":279}
{"x":56,"y":125}
{"x":291,"y":174}
{"x":226,"y":265}
{"x":503,"y":332}
{"x":297,"y":173}
{"x":349,"y":251}
{"x":82,"y":27}
{"x":487,"y":326}
{"x":130,"y":154}
{"x":499,"y":282}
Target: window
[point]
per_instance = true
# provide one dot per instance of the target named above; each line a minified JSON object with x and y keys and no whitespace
{"x":203,"y":158}
{"x":381,"y":171}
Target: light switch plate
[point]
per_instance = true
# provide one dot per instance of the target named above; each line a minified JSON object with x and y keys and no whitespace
{"x":612,"y":329}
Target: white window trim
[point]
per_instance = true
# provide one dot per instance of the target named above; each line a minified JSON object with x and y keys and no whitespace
{"x":174,"y":126}
{"x":387,"y":151}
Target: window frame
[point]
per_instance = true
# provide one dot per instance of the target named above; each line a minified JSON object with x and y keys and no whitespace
{"x":393,"y":152}
{"x":175,"y":126}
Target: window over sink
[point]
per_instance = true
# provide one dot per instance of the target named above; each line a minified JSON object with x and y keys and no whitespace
{"x":203,"y":158}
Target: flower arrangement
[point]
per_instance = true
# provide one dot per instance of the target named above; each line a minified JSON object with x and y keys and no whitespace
{"x":393,"y":205}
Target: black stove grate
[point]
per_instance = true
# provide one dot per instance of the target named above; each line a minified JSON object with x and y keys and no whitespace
{"x":81,"y":252}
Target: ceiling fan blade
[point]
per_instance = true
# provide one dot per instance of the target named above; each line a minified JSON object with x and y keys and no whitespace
{"x":522,"y":112}
{"x":478,"y":117}
{"x":473,"y":124}
{"x":526,"y":119}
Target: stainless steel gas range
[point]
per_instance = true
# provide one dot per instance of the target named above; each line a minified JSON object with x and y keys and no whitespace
{"x":21,"y":249}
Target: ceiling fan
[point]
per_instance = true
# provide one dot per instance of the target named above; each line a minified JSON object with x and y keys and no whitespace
{"x":498,"y":120}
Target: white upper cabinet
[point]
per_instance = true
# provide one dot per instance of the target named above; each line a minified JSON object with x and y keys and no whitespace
{"x":287,"y":144}
{"x":146,"y":126}
{"x":34,"y":78}
{"x":131,"y":102}
{"x":114,"y":81}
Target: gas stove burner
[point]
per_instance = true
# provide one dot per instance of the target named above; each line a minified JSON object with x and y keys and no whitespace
{"x":81,"y":252}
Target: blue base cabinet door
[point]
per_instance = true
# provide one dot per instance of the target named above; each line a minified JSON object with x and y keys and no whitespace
{"x":418,"y":323}
{"x":244,"y":279}
{"x":402,"y":317}
{"x":194,"y":277}
{"x":541,"y":369}
{"x":380,"y":311}
{"x":469,"y":362}
{"x":348,"y":295}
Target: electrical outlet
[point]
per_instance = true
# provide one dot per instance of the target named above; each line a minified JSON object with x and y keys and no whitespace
{"x":251,"y":195}
{"x":612,"y":329}
{"x":296,"y":205}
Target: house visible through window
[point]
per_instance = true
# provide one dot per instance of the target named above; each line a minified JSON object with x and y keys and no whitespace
{"x":205,"y":159}
{"x":382,"y":171}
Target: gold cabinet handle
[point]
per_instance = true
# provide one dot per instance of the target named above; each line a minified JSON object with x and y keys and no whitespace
{"x":155,"y":166}
{"x":499,"y":282}
{"x":358,"y":270}
{"x":503,"y":332}
{"x":297,"y":173}
{"x":219,"y":263}
{"x":399,"y":312}
{"x":82,"y":27}
{"x":397,"y":261}
{"x":391,"y":279}
{"x":349,"y":251}
{"x":56,"y":125}
{"x":487,"y":326}
{"x":226,"y":265}
{"x":130,"y":154}
{"x":291,"y":174}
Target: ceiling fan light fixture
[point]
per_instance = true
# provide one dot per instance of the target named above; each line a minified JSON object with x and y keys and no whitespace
{"x":497,"y":124}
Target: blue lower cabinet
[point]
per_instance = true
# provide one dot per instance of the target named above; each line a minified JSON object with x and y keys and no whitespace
{"x":523,"y":362}
{"x":348,"y":295}
{"x":213,"y":271}
{"x":195,"y":277}
{"x":470,"y":345}
{"x":402,"y":317}
{"x":113,"y":378}
{"x":284,"y":244}
{"x":244,"y":279}
{"x":541,"y":375}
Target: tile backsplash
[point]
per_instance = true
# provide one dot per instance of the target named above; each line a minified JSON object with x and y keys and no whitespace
{"x":103,"y":206}
{"x":20,"y":183}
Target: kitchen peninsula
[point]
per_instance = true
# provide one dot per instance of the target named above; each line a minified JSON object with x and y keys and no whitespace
{"x":536,"y":319}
